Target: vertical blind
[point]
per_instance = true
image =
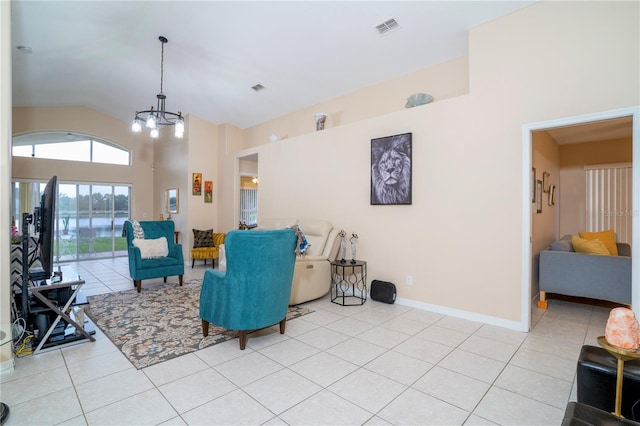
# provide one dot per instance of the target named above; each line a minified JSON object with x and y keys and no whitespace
{"x":608,"y":199}
{"x":249,"y":206}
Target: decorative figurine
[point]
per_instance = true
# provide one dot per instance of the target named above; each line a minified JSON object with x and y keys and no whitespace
{"x":320,"y":118}
{"x":353,"y":239}
{"x":343,"y":246}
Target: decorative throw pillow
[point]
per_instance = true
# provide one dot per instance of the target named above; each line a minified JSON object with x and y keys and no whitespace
{"x":138,"y":232}
{"x":608,"y":238}
{"x":589,"y":246}
{"x":561,"y":245}
{"x":203,"y":238}
{"x":152,"y":249}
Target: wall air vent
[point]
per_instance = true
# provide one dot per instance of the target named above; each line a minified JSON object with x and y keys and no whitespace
{"x":258,"y":87}
{"x":387,"y":26}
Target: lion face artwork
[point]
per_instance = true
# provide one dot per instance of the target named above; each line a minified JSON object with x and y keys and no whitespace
{"x":391,"y":170}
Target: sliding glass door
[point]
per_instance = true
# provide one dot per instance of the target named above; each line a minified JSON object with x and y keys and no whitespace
{"x":90,"y":220}
{"x":89,"y":217}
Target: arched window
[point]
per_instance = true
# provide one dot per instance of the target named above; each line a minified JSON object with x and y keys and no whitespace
{"x":70,"y":146}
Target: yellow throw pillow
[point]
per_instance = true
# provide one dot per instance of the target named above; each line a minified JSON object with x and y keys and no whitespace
{"x":596,"y":246}
{"x":608,"y":238}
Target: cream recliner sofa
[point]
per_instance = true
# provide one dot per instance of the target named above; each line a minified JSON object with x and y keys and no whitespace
{"x":312,"y":272}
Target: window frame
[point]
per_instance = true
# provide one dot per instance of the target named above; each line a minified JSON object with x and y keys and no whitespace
{"x":49,"y":138}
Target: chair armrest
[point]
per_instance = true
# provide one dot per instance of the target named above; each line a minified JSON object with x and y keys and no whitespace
{"x":213,"y":295}
{"x":332,"y":246}
{"x":134,"y":253}
{"x":176,"y":252}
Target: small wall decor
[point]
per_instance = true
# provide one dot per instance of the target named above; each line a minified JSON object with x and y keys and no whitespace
{"x":208,"y":191}
{"x":320,"y":119}
{"x":552,"y":195}
{"x":538,"y":196}
{"x":546,"y":177}
{"x":391,"y":170}
{"x":533,"y":184}
{"x":418,"y":99}
{"x":197,"y":184}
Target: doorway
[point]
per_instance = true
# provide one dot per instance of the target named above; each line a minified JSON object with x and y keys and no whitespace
{"x":248,"y":191}
{"x":527,"y":228}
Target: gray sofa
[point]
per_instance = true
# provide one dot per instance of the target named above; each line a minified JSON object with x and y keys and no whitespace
{"x":585,"y":275}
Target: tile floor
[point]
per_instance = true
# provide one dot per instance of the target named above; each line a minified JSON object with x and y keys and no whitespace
{"x":376,"y":364}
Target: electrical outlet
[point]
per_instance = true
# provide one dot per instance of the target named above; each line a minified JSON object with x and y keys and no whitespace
{"x":409,"y":280}
{"x":144,"y":214}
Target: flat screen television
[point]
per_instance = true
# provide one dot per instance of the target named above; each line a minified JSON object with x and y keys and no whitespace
{"x":44,"y":221}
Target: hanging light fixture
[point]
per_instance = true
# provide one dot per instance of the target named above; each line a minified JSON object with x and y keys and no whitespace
{"x":153,"y":119}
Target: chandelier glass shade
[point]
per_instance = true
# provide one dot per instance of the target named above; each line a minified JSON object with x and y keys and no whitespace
{"x":154,"y":119}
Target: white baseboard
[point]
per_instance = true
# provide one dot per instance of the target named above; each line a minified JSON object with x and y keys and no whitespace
{"x":471,"y":316}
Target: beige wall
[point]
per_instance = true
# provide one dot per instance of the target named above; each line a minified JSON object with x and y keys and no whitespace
{"x":461,"y":240}
{"x":545,"y":157}
{"x":88,"y":121}
{"x":442,"y":81}
{"x":203,"y":158}
{"x":175,"y":162}
{"x":573,"y":158}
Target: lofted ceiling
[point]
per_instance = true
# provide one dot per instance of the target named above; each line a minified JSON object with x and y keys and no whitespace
{"x":106,"y":55}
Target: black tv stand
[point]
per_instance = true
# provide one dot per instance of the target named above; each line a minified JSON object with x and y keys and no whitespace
{"x":70,"y":324}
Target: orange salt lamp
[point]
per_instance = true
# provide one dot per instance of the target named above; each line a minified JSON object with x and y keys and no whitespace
{"x":622,"y":329}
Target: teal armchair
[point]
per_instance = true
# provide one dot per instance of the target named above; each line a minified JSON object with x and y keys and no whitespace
{"x":146,"y":268}
{"x":254,"y":291}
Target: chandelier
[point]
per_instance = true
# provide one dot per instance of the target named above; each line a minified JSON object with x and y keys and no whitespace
{"x":153,"y":119}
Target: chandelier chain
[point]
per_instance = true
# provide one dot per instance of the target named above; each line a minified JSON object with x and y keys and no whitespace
{"x":154,"y":119}
{"x":162,"y":66}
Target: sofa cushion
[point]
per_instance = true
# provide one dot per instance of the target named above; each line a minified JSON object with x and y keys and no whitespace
{"x":607,"y":237}
{"x":596,"y":246}
{"x":202,"y":238}
{"x":152,"y":248}
{"x":276,"y":223}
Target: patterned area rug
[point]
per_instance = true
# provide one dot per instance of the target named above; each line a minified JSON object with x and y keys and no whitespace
{"x":160,"y":323}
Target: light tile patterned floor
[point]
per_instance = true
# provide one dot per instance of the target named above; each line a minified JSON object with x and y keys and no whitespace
{"x":376,"y":364}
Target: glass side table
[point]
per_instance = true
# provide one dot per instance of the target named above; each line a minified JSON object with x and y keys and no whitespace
{"x":349,"y":282}
{"x":621,"y":355}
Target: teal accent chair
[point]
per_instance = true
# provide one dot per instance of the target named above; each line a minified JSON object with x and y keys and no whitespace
{"x":144,"y":269}
{"x":254,"y":291}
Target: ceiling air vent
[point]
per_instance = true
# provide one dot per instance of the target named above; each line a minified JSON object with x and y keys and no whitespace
{"x":258,"y":87}
{"x":387,"y":26}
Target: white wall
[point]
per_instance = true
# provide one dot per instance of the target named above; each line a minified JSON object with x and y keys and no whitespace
{"x":6,"y":354}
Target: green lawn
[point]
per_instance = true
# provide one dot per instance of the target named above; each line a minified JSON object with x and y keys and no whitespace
{"x":101,"y":245}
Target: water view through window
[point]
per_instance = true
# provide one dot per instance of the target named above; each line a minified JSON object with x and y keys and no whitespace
{"x":89,"y":217}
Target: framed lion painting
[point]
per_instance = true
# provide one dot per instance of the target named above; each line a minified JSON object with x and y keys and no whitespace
{"x":391,"y":170}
